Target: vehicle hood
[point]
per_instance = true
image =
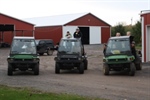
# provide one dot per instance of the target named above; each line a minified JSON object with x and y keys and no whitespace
{"x":69,"y":56}
{"x":23,"y":56}
{"x":117,"y":57}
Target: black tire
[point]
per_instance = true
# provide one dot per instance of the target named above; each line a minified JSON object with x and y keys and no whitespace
{"x":132,"y":69}
{"x":10,"y":70}
{"x":139,"y":66}
{"x":105,"y":69}
{"x":41,"y":54}
{"x":86,"y":64}
{"x":36,"y":69}
{"x":81,"y":68}
{"x":138,"y":63}
{"x":49,"y":52}
{"x":57,"y":68}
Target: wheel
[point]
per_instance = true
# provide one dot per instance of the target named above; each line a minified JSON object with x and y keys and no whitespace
{"x":105,"y":69}
{"x":86,"y":64}
{"x":49,"y":52}
{"x":57,"y":68}
{"x":132,"y":69}
{"x":41,"y":53}
{"x":81,"y":68}
{"x":139,"y":66}
{"x":10,"y":70}
{"x":138,"y":63}
{"x":36,"y":69}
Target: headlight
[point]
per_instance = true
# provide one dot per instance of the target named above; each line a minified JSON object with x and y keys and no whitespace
{"x":131,"y":59}
{"x":57,"y":58}
{"x":104,"y":60}
{"x":36,"y":59}
{"x":10,"y":59}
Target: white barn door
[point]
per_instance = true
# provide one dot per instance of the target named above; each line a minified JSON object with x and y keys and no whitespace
{"x":95,"y":35}
{"x":71,"y":29}
{"x":148,"y":44}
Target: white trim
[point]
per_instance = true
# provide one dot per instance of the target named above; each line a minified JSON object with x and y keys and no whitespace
{"x":47,"y":26}
{"x":147,"y":44}
{"x":25,"y":37}
{"x":145,"y":13}
{"x":86,"y":26}
{"x":142,"y":25}
{"x":95,"y":35}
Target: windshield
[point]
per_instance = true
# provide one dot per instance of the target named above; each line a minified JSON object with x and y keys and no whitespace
{"x":70,"y":46}
{"x":118,"y":46}
{"x":23,"y":46}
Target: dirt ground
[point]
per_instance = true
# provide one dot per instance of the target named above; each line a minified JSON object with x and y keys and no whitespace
{"x":117,"y":86}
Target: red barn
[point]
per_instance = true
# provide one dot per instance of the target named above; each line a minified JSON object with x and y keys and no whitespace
{"x":10,"y":26}
{"x":145,"y":36}
{"x":94,"y":30}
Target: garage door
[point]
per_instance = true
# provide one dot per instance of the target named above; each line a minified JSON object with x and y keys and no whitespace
{"x":95,"y":35}
{"x":71,"y":29}
{"x":148,"y":44}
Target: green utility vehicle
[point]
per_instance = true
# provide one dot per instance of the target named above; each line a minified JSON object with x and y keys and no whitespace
{"x":71,"y":55}
{"x":119,"y":56}
{"x":23,"y":55}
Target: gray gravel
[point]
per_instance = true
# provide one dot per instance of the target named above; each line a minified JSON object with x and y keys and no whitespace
{"x":117,"y":86}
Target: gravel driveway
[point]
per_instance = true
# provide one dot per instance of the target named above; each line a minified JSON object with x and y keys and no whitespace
{"x":117,"y":86}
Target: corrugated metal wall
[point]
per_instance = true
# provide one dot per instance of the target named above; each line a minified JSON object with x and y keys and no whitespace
{"x":49,"y":32}
{"x":21,"y":27}
{"x":52,"y":32}
{"x":105,"y":34}
{"x":91,"y":20}
{"x":146,"y":22}
{"x":88,"y":20}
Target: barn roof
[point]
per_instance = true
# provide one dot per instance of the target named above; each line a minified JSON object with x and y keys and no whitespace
{"x":56,"y":19}
{"x":143,"y":12}
{"x":16,"y":18}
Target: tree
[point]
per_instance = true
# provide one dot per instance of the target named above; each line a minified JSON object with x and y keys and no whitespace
{"x":118,"y":28}
{"x":128,"y":28}
{"x":136,"y":32}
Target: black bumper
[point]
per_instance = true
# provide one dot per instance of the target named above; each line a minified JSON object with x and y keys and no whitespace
{"x":23,"y":62}
{"x":69,"y":61}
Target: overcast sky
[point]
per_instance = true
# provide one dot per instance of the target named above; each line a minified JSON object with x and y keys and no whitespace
{"x":111,"y":11}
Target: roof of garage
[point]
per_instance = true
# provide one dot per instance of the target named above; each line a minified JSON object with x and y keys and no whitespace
{"x":57,"y":19}
{"x":16,"y":18}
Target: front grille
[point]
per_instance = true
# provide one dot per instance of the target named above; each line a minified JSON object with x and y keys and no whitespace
{"x":23,"y":60}
{"x":69,"y":59}
{"x":117,"y":60}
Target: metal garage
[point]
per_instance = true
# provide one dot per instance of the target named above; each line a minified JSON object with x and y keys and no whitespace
{"x":10,"y":26}
{"x":92,"y":33}
{"x":145,"y":36}
{"x":148,"y":43}
{"x":94,"y":30}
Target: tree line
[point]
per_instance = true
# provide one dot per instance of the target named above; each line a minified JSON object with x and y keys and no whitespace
{"x":134,"y":29}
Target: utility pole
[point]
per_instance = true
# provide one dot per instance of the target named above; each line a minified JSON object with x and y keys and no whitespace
{"x":131,"y":21}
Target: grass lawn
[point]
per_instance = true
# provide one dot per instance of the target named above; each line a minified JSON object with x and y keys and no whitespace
{"x":11,"y":93}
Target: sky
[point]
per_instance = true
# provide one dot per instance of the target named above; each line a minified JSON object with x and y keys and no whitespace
{"x":111,"y":11}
